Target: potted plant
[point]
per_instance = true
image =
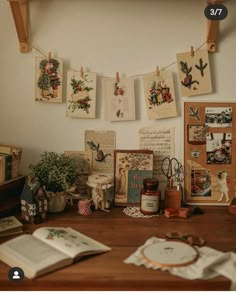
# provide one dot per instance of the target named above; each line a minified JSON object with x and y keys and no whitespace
{"x":57,"y":173}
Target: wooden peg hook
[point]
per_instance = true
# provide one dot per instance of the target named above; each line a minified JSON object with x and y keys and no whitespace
{"x":117,"y":77}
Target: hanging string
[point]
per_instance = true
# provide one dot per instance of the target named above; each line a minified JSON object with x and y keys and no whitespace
{"x":133,"y":76}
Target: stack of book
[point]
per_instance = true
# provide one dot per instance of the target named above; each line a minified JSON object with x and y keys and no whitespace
{"x":10,"y":157}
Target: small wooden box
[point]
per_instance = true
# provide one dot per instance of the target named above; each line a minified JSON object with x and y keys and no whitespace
{"x":172,"y":198}
{"x":232,"y":206}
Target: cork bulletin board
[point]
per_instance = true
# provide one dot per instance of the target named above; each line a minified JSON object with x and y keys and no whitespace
{"x":209,"y":152}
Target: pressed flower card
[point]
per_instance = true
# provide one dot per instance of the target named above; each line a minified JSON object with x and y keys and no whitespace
{"x":194,"y":73}
{"x":159,"y":95}
{"x":81,"y":94}
{"x":119,"y":99}
{"x":48,"y":83}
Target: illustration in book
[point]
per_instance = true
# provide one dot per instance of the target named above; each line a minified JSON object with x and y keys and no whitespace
{"x":194,"y":73}
{"x":48,"y":80}
{"x":120,"y":100}
{"x":81,"y":94}
{"x":159,"y":95}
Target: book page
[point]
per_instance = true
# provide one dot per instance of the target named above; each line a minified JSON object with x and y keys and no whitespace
{"x":69,"y":241}
{"x":162,"y":142}
{"x":31,"y":254}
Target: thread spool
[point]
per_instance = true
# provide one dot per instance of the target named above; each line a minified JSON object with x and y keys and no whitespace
{"x":84,"y":207}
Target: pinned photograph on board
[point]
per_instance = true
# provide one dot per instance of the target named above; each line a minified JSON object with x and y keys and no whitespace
{"x":218,"y":117}
{"x":200,"y":182}
{"x":197,"y":134}
{"x":218,"y":148}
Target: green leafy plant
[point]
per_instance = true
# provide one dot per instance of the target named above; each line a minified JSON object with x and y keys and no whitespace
{"x":57,"y":172}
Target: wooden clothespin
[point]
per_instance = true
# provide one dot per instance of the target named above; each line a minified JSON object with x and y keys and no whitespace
{"x":192,"y":51}
{"x":81,"y":72}
{"x":49,"y":56}
{"x":157,"y":71}
{"x":117,"y":77}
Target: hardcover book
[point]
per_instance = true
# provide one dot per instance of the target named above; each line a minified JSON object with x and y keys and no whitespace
{"x":5,"y":167}
{"x":135,"y":184}
{"x":48,"y":249}
{"x":9,"y":226}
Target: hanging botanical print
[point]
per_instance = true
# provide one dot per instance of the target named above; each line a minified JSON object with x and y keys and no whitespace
{"x":81,"y":94}
{"x":194,"y":73}
{"x":48,"y":80}
{"x":159,"y":95}
{"x":119,"y":99}
{"x":102,"y":144}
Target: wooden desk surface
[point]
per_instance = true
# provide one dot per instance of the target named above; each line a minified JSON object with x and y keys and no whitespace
{"x":124,"y":234}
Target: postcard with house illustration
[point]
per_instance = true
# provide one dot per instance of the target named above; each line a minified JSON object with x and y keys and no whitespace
{"x":48,"y":80}
{"x":159,"y":95}
{"x":81,"y":94}
{"x":209,"y":149}
{"x":102,"y":143}
{"x":131,"y":167}
{"x":119,"y":99}
{"x":194,"y":73}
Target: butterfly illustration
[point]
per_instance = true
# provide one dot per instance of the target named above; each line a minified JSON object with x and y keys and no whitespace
{"x":194,"y":113}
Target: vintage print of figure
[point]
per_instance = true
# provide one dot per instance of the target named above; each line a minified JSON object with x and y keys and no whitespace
{"x":223,"y":186}
{"x":81,"y":94}
{"x":194,"y":73}
{"x":119,"y":99}
{"x":218,"y":117}
{"x":159,"y":95}
{"x":48,"y":80}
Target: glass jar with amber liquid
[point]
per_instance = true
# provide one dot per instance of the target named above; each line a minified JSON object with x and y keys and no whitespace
{"x":150,"y":197}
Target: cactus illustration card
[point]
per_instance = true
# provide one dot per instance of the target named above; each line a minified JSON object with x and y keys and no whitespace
{"x":194,"y":73}
{"x":119,"y":99}
{"x":48,"y":82}
{"x":81,"y":94}
{"x":159,"y":95}
{"x":102,"y":144}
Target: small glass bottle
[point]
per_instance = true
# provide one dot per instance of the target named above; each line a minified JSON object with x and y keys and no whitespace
{"x":150,"y":197}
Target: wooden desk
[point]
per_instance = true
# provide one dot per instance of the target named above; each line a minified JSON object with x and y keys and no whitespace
{"x":124,"y":234}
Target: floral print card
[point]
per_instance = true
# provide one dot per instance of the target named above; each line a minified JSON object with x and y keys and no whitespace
{"x":48,"y":83}
{"x":159,"y":95}
{"x":119,"y":99}
{"x":81,"y":95}
{"x":194,"y":73}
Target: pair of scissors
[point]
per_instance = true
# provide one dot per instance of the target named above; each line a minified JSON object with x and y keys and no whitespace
{"x":170,"y":168}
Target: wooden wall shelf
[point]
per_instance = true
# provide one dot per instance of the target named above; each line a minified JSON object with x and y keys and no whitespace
{"x":20,"y":9}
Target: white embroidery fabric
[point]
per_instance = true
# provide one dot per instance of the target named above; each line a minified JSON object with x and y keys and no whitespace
{"x":135,"y":212}
{"x":211,"y":263}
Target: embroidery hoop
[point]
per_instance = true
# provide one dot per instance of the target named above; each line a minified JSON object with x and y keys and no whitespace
{"x":169,"y":254}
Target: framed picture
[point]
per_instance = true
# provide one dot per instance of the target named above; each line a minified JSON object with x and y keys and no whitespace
{"x":209,"y":153}
{"x":130,"y":168}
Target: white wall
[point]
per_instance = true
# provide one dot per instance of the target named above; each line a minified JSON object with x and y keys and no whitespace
{"x":105,"y":36}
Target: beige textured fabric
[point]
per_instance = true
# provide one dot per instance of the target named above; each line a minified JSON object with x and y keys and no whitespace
{"x":211,"y":263}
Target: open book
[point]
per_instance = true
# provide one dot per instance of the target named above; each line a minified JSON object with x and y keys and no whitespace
{"x":48,"y":249}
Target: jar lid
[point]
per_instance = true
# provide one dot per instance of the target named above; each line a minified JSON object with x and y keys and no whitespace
{"x":150,"y":183}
